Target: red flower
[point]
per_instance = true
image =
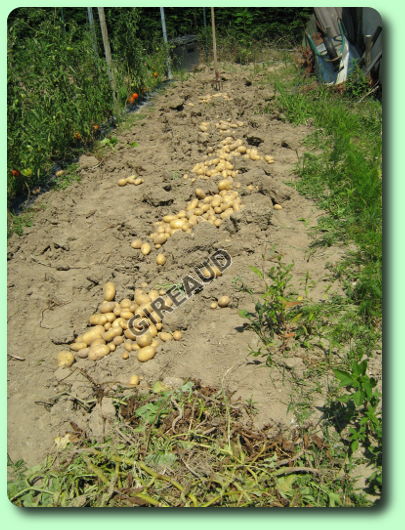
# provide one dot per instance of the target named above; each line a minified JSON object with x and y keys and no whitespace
{"x":15,"y":173}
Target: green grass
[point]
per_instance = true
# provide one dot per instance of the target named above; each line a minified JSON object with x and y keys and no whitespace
{"x":185,"y":448}
{"x":343,"y":174}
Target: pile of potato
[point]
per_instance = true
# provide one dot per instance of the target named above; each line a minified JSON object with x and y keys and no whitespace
{"x":204,"y":207}
{"x":109,"y":329}
{"x":209,"y":97}
{"x":133,"y":179}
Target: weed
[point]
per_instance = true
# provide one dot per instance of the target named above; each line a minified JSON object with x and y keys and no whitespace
{"x":184,"y":448}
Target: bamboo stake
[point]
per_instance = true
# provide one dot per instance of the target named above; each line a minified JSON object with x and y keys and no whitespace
{"x":107,"y":51}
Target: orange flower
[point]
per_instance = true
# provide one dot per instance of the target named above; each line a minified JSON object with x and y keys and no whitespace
{"x":135,"y":96}
{"x":77,"y":136}
{"x":96,"y":127}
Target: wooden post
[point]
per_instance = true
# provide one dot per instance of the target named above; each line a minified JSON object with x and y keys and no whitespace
{"x":92,"y":28}
{"x":214,"y":41}
{"x":107,"y":51}
{"x":164,"y":31}
{"x":367,"y":52}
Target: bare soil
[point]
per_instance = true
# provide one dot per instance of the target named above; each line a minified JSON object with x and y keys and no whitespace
{"x":81,"y":238}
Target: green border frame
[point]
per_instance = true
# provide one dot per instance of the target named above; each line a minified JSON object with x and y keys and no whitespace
{"x":390,"y":510}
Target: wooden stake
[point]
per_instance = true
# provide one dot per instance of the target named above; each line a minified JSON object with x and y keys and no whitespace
{"x":107,"y":51}
{"x":214,"y":40}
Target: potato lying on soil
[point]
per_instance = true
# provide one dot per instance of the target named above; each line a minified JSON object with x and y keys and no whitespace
{"x":224,"y":301}
{"x":147,"y":353}
{"x":65,"y":359}
{"x":109,"y":291}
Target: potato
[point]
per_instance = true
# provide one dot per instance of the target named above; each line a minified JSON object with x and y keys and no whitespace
{"x":125,"y":355}
{"x":128,"y":346}
{"x":98,"y":318}
{"x":109,"y":291}
{"x":126,"y":314}
{"x":99,"y":340}
{"x":125,"y":302}
{"x":169,"y":218}
{"x":277,"y":207}
{"x":269,"y":159}
{"x":177,"y":223}
{"x":224,"y":301}
{"x":65,"y":359}
{"x":134,"y":380}
{"x":136,"y":243}
{"x":165,"y":336}
{"x":160,"y":259}
{"x":112,"y":333}
{"x":224,"y":185}
{"x":76,"y":346}
{"x":98,"y":352}
{"x":108,"y":325}
{"x":129,"y":334}
{"x":93,"y":334}
{"x":112,"y":346}
{"x":119,"y":339}
{"x":107,"y":307}
{"x":110,"y":317}
{"x":82,"y":354}
{"x":122,"y":182}
{"x":177,"y":335}
{"x":214,"y":305}
{"x":147,"y":353}
{"x":199,"y":193}
{"x":145,"y":249}
{"x":161,"y":239}
{"x":142,"y":298}
{"x":145,"y":339}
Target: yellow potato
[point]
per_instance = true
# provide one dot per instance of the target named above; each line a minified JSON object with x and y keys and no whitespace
{"x":147,"y":353}
{"x":82,"y":354}
{"x":144,"y":340}
{"x":126,"y":314}
{"x":160,"y":259}
{"x":177,"y":335}
{"x":214,"y":305}
{"x":65,"y":359}
{"x":199,"y":193}
{"x":134,"y":380}
{"x":108,"y":325}
{"x":76,"y":346}
{"x":107,"y":307}
{"x":93,"y":334}
{"x":137,"y":243}
{"x":109,"y":291}
{"x":99,"y":340}
{"x":125,"y":355}
{"x":224,"y":185}
{"x":165,"y":336}
{"x":112,"y":346}
{"x":112,"y":333}
{"x":145,"y":249}
{"x":129,"y":334}
{"x":126,"y":302}
{"x":128,"y":346}
{"x":98,"y":319}
{"x":119,"y":339}
{"x":277,"y":207}
{"x":122,"y":182}
{"x":224,"y":301}
{"x":98,"y":352}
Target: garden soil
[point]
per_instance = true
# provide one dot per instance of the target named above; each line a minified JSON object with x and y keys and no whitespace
{"x":81,"y":238}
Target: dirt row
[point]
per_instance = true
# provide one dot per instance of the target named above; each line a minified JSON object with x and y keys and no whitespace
{"x":81,"y":239}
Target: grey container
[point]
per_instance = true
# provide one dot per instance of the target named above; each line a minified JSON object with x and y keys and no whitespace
{"x":185,"y":52}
